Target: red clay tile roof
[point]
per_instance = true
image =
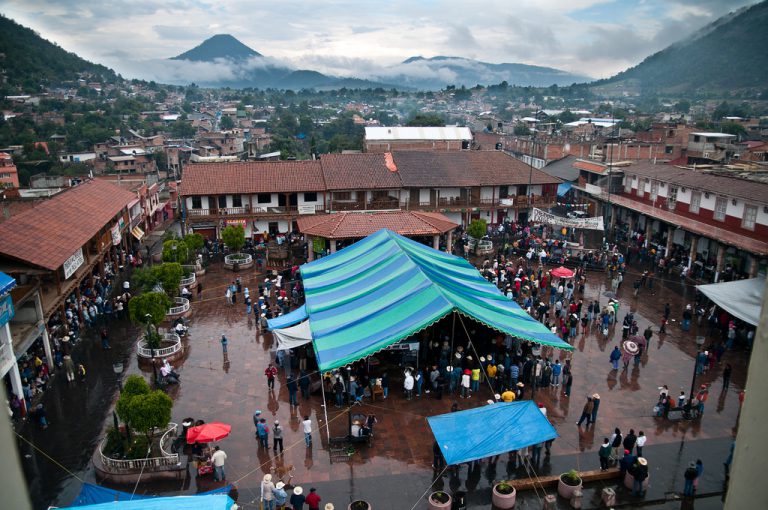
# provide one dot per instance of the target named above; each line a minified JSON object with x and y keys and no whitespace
{"x":358,"y":171}
{"x":466,"y":168}
{"x":346,"y":225}
{"x":252,"y":177}
{"x":48,"y":234}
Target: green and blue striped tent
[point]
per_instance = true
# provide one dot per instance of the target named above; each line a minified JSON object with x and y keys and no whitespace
{"x":386,"y":287}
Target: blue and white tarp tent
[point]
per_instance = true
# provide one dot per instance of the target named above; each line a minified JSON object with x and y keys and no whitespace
{"x":208,"y":502}
{"x":490,"y":430}
{"x":91,"y":494}
{"x":6,"y":283}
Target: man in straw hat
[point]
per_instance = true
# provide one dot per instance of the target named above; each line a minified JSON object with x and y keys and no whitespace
{"x":639,"y":474}
{"x":297,"y":498}
{"x":280,"y":495}
{"x":267,"y":493}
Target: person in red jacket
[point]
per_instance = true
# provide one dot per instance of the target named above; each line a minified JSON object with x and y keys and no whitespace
{"x":313,"y":500}
{"x":271,"y":373}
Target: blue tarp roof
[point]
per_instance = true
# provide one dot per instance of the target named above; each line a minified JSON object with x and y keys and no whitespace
{"x":289,"y":319}
{"x":564,"y":188}
{"x":91,"y":494}
{"x":490,"y":430}
{"x":6,"y":283}
{"x":208,"y":502}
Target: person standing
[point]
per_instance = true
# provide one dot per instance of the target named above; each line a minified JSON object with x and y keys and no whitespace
{"x":277,"y":437}
{"x":567,"y":379}
{"x":595,"y":406}
{"x":224,"y":343}
{"x":557,"y":369}
{"x":648,"y":334}
{"x":586,"y":413}
{"x":604,"y":454}
{"x":280,"y":495}
{"x":641,"y":439}
{"x":408,"y":385}
{"x":306,"y":426}
{"x":690,"y":476}
{"x":699,"y":472}
{"x":270,"y":372}
{"x":630,"y":440}
{"x":219,"y":457}
{"x":615,"y":357}
{"x":293,"y":390}
{"x":438,"y":461}
{"x":263,"y":432}
{"x":385,"y":384}
{"x":304,"y":384}
{"x":616,"y":440}
{"x":313,"y":499}
{"x":298,"y":498}
{"x":639,"y":474}
{"x":727,"y":376}
{"x":267,"y":496}
{"x":104,"y":339}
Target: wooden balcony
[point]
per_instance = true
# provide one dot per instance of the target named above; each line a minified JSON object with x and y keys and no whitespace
{"x":516,"y":202}
{"x":255,"y":212}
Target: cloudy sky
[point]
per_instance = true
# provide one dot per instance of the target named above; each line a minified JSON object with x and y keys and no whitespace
{"x":352,"y":38}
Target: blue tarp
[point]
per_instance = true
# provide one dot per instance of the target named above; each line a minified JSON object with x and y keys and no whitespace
{"x":490,"y":430}
{"x":289,"y":319}
{"x":6,"y":283}
{"x":564,"y":188}
{"x":94,"y":494}
{"x":208,"y":502}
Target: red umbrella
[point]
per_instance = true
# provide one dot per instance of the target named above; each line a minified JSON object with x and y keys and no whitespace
{"x":562,"y":272}
{"x":208,"y":432}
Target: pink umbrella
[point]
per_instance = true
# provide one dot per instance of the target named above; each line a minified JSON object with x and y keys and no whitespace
{"x":208,"y":432}
{"x":562,"y":272}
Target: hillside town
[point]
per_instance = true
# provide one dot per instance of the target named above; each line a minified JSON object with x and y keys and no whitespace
{"x":494,"y":296}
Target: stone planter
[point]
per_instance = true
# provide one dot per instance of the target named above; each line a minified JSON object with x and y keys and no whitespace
{"x":501,"y":500}
{"x":360,"y":504}
{"x":437,"y":504}
{"x":565,"y":490}
{"x":170,"y":347}
{"x":189,"y":281}
{"x":181,"y":308}
{"x":243,"y":261}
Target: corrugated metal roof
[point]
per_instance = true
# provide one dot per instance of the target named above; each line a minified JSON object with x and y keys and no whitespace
{"x":418,"y":133}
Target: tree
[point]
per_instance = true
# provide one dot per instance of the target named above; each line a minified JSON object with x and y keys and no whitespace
{"x":226,"y":122}
{"x":143,"y":409}
{"x":683,"y":106}
{"x":175,"y":250}
{"x":234,"y":237}
{"x":149,"y":307}
{"x":194,"y":241}
{"x":477,"y":228}
{"x":733,"y":128}
{"x":421,"y":120}
{"x":521,"y":129}
{"x":167,"y":275}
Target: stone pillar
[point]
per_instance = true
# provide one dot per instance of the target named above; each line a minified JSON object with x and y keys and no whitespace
{"x":612,"y":212}
{"x":753,"y":265}
{"x":310,"y":249}
{"x":692,"y":254}
{"x":333,"y":245}
{"x":436,"y":242}
{"x":648,"y":232}
{"x":449,"y":248}
{"x":46,"y":338}
{"x":632,"y":222}
{"x":14,"y":372}
{"x":670,"y":242}
{"x":720,"y":265}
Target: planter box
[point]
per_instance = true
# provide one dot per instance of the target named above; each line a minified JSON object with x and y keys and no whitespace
{"x":436,"y":505}
{"x":503,"y":501}
{"x":565,"y":490}
{"x":169,"y":347}
{"x":243,"y":260}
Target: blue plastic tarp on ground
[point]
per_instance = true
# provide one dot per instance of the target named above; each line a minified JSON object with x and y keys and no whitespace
{"x":290,"y":319}
{"x":94,"y":494}
{"x":490,"y":430}
{"x":208,"y":502}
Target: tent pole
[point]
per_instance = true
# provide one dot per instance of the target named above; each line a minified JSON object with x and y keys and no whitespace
{"x":453,"y":332}
{"x":325,"y":410}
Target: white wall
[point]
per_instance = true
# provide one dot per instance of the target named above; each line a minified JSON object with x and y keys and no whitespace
{"x":302,"y":199}
{"x":203,"y":200}
{"x":488,"y":192}
{"x":263,"y":226}
{"x":449,"y":192}
{"x":256,"y":206}
{"x":424,"y":195}
{"x":453,"y":216}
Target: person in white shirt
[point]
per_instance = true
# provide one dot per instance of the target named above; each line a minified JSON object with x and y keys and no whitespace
{"x":408,"y":384}
{"x":641,"y":439}
{"x":306,"y":426}
{"x":218,"y":458}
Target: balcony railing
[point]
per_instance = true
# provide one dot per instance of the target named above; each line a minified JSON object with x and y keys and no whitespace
{"x":256,"y":210}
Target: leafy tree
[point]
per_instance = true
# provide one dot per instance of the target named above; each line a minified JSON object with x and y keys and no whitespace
{"x":477,"y":228}
{"x":733,"y":128}
{"x":194,"y":241}
{"x":566,"y":117}
{"x":175,"y":250}
{"x":168,"y":275}
{"x":683,"y":106}
{"x":143,"y":409}
{"x":521,"y":129}
{"x":234,"y":237}
{"x":153,"y":304}
{"x":226,"y":122}
{"x":426,"y":120}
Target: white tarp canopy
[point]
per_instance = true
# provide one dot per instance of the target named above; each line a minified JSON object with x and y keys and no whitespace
{"x":539,"y":216}
{"x":740,"y":298}
{"x":297,"y":335}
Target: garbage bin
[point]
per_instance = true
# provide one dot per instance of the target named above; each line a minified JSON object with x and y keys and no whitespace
{"x":459,"y":500}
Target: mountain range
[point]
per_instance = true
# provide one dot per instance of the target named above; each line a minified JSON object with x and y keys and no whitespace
{"x":252,"y":69}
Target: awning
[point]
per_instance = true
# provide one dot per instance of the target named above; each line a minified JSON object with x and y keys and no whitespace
{"x":464,"y":436}
{"x":294,"y":336}
{"x":564,"y":188}
{"x":742,"y":298}
{"x":210,"y":502}
{"x":289,"y":319}
{"x":91,"y":495}
{"x":6,"y":283}
{"x":385,"y":288}
{"x":137,"y":233}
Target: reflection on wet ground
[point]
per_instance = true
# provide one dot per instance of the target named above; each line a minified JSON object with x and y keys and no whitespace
{"x":230,"y":387}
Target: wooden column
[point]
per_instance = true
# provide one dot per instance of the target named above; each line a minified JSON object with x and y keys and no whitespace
{"x":310,"y":249}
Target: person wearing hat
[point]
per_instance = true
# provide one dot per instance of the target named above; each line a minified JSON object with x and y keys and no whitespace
{"x":595,"y":406}
{"x":329,"y":506}
{"x":690,"y":475}
{"x":313,"y":499}
{"x":519,"y":391}
{"x":639,"y":475}
{"x":280,"y":495}
{"x":586,"y":413}
{"x":465,"y":382}
{"x":508,"y":396}
{"x":277,"y":437}
{"x":297,"y":498}
{"x":267,"y":493}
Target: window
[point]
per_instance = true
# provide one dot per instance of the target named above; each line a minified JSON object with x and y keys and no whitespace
{"x":197,"y":203}
{"x":668,"y":149}
{"x":310,"y":196}
{"x":342,"y":195}
{"x":237,"y":200}
{"x":672,"y":198}
{"x":222,"y":200}
{"x":750,"y":217}
{"x":641,"y":187}
{"x":695,"y":201}
{"x":721,"y":204}
{"x":696,"y":138}
{"x":264,"y":198}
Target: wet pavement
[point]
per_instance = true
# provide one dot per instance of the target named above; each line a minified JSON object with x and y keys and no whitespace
{"x":395,"y":471}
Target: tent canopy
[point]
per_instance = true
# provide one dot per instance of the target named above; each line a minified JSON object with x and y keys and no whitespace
{"x":289,"y":319}
{"x":297,"y":335}
{"x":386,"y":287}
{"x":6,"y":283}
{"x":209,"y":502}
{"x":465,"y":436}
{"x":91,"y":494}
{"x":740,"y":298}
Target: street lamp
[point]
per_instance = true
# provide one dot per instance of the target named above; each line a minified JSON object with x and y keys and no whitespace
{"x":117,"y":368}
{"x":148,"y":318}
